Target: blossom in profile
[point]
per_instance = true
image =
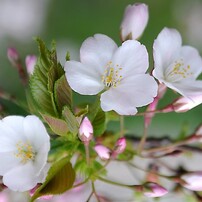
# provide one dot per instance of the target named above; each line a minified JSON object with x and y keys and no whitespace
{"x":24,"y":147}
{"x":86,"y":130}
{"x":193,"y":181}
{"x":103,"y":152}
{"x":134,"y":21}
{"x":175,"y":65}
{"x":184,"y":104}
{"x":30,"y":62}
{"x":152,"y":190}
{"x":120,"y":146}
{"x":117,"y":73}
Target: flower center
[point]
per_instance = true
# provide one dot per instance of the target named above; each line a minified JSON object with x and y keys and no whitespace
{"x":111,"y":76}
{"x":25,"y":152}
{"x":179,"y":71}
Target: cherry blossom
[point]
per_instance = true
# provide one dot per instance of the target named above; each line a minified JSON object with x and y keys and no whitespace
{"x":117,"y":73}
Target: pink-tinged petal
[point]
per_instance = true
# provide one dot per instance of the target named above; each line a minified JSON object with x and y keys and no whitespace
{"x":103,"y":152}
{"x":30,"y":62}
{"x":134,"y":91}
{"x":193,"y":181}
{"x":134,"y":21}
{"x":192,"y":58}
{"x":154,"y":190}
{"x":83,"y":79}
{"x":86,"y":130}
{"x":22,"y":178}
{"x":184,"y":104}
{"x":97,"y":51}
{"x":132,"y":57}
{"x":13,"y":55}
{"x":166,"y":49}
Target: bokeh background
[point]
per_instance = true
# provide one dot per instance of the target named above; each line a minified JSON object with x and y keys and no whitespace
{"x":70,"y":22}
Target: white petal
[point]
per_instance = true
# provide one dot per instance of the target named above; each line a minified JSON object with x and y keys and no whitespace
{"x":166,"y":49}
{"x":132,"y":57}
{"x":35,"y":132}
{"x":135,"y":91}
{"x":85,"y":80}
{"x":97,"y":51}
{"x":188,"y":89}
{"x":8,"y":161}
{"x":8,"y":138}
{"x":193,"y":59}
{"x":21,"y":178}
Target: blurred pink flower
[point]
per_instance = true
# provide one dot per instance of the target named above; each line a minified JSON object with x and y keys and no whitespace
{"x":30,"y":62}
{"x":103,"y":152}
{"x":154,"y":190}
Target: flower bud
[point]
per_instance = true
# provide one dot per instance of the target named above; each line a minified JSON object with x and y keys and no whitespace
{"x":152,"y":189}
{"x":193,"y":181}
{"x":30,"y":62}
{"x":86,"y":130}
{"x":103,"y":152}
{"x":120,"y":145}
{"x":184,"y":104}
{"x":134,"y":21}
{"x":13,"y":55}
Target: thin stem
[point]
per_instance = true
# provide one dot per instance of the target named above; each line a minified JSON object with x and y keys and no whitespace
{"x":86,"y":145}
{"x":77,"y":185}
{"x":121,"y":126}
{"x":143,"y":140}
{"x":94,"y":191}
{"x":169,"y":147}
{"x":114,"y":183}
{"x":148,"y":112}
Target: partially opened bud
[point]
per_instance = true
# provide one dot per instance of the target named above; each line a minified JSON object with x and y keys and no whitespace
{"x":103,"y":152}
{"x":193,"y":181}
{"x":134,"y":21}
{"x":13,"y":55}
{"x":184,"y":104}
{"x":86,"y":130}
{"x":120,"y":145}
{"x":152,"y":189}
{"x":30,"y":62}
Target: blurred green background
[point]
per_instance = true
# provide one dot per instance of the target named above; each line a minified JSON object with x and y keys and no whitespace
{"x":70,"y":22}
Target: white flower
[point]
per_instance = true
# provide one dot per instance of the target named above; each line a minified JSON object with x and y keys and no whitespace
{"x":120,"y":72}
{"x":134,"y":21}
{"x":177,"y":66}
{"x":24,"y":147}
{"x":30,"y":62}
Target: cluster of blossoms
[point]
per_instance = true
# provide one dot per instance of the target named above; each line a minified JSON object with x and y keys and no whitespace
{"x":120,"y":78}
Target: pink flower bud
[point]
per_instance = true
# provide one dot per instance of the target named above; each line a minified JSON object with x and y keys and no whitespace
{"x":152,"y":189}
{"x":134,"y":21}
{"x":120,"y":145}
{"x":86,"y":130}
{"x":30,"y":62}
{"x":184,"y":104}
{"x":103,"y":152}
{"x":13,"y":55}
{"x":193,"y":180}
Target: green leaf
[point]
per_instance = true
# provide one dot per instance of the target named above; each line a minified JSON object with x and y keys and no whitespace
{"x":58,"y":126}
{"x":47,"y":71}
{"x":71,"y":120}
{"x":99,"y":123}
{"x":60,"y":178}
{"x":97,"y":118}
{"x":63,"y":93}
